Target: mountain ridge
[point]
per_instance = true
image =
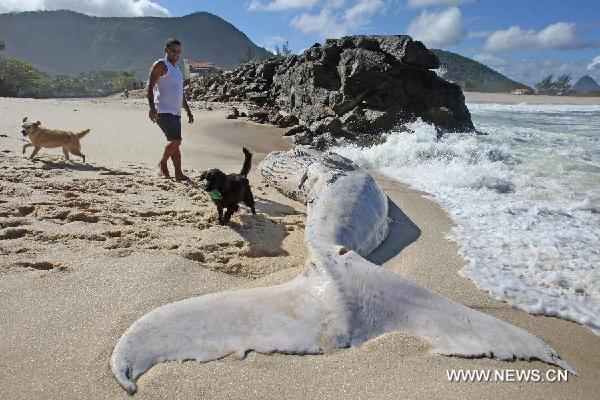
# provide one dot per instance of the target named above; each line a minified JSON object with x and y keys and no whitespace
{"x":134,"y":43}
{"x":482,"y":78}
{"x":118,"y":43}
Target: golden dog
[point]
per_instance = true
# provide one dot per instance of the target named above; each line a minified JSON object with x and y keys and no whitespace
{"x":44,"y":137}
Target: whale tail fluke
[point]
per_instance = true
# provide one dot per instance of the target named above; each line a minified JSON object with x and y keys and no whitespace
{"x":294,"y":318}
{"x":122,"y":374}
{"x":397,"y":304}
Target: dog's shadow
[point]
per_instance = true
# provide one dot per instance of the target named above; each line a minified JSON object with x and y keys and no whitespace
{"x":263,"y":235}
{"x":50,"y":165}
{"x":402,"y":233}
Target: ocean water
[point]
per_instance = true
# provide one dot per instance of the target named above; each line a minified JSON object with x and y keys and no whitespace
{"x":525,"y":198}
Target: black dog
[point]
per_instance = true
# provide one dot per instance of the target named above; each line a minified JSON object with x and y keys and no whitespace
{"x":227,"y":191}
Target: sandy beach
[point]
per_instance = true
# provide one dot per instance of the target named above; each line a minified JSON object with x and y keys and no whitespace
{"x":87,"y":249}
{"x":509,"y":98}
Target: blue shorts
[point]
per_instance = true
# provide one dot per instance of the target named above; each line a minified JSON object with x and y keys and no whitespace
{"x":170,"y":125}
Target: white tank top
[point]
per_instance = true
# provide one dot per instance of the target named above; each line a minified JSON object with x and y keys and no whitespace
{"x":168,"y":92}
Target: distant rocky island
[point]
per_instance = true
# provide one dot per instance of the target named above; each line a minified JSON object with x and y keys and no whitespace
{"x":353,"y":88}
{"x":586,"y":85}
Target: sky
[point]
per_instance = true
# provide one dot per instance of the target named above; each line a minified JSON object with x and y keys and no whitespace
{"x":523,"y":39}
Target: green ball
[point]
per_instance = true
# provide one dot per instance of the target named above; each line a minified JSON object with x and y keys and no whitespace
{"x":215,"y":195}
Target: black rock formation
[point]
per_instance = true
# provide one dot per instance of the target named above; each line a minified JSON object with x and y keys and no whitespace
{"x":348,"y":88}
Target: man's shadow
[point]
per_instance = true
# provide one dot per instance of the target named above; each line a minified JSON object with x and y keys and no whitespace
{"x":402,"y":233}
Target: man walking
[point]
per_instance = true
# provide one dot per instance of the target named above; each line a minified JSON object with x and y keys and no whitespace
{"x":165,"y":98}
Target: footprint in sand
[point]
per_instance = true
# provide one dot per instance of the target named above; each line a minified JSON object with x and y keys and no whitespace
{"x":13,"y":233}
{"x":83,"y":217}
{"x":13,"y":222}
{"x":25,"y":210}
{"x":51,"y":212}
{"x":41,"y":266}
{"x":194,"y":255}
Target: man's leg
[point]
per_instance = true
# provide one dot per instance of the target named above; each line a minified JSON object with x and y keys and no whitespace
{"x":176,"y":157}
{"x":170,"y":149}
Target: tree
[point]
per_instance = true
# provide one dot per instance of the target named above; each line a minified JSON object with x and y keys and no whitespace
{"x":18,"y":78}
{"x":2,"y":45}
{"x":467,"y":84}
{"x":284,"y":50}
{"x":545,"y":85}
{"x":562,"y":84}
{"x":123,"y":80}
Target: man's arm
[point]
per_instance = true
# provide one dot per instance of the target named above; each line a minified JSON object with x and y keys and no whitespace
{"x":158,"y":69}
{"x":187,"y":109}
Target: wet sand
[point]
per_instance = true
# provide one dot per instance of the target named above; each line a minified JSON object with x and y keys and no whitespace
{"x":88,"y":249}
{"x":509,"y":98}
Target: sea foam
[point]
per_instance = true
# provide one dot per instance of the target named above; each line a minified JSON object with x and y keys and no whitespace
{"x":525,"y":198}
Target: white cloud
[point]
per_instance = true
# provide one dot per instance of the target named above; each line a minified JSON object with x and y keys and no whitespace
{"x":280,"y":5}
{"x":438,"y":29}
{"x":532,"y":71}
{"x":100,"y":8}
{"x":362,"y":11}
{"x":595,"y":64}
{"x":427,"y":3}
{"x":272,"y":41}
{"x":479,"y":34}
{"x":489,"y":60}
{"x":332,"y":24}
{"x":561,"y":35}
{"x":324,"y":24}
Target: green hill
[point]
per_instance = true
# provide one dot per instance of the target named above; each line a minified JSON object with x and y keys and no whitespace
{"x":482,"y":77}
{"x":66,"y":42}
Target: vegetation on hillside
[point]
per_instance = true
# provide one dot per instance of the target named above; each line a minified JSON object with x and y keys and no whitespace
{"x":473,"y":75}
{"x":66,"y":42}
{"x":20,"y":79}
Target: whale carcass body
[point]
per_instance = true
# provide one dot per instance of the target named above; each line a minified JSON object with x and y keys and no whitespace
{"x":340,"y":300}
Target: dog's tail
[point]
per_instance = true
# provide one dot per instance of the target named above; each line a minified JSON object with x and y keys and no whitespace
{"x":82,"y":133}
{"x":247,"y":162}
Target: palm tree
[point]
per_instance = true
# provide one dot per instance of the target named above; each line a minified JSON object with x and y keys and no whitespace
{"x":563,"y":84}
{"x":284,"y":50}
{"x":545,"y":86}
